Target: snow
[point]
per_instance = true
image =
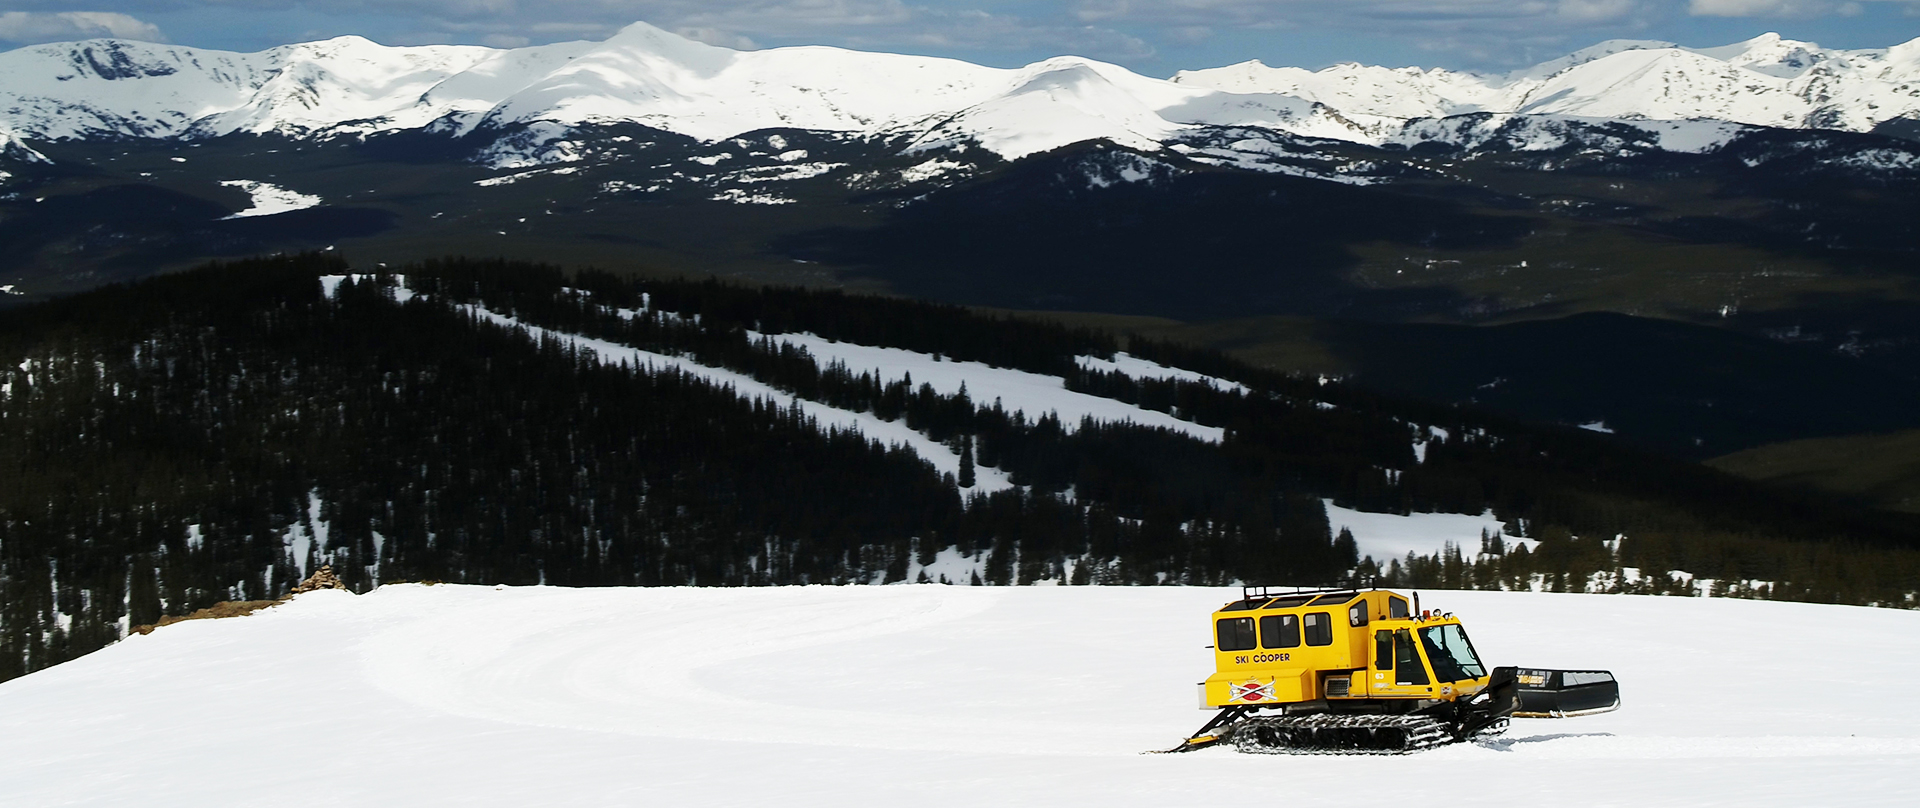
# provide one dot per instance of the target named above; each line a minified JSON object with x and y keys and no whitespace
{"x":1138,"y":368}
{"x":1766,"y":81}
{"x":739,"y":196}
{"x":923,"y":695}
{"x":1386,"y":536}
{"x":1033,"y":394}
{"x":892,"y":433}
{"x":785,"y":173}
{"x":269,"y":199}
{"x":949,"y":566}
{"x":534,"y":97}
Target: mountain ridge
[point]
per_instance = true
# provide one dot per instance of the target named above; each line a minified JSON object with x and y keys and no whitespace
{"x":352,"y":86}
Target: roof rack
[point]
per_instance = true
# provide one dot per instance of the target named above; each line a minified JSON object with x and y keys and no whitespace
{"x":1263,"y":592}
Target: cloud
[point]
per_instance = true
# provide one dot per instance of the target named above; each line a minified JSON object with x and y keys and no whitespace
{"x":1759,"y":8}
{"x":1799,"y":9}
{"x":1595,"y":10}
{"x":1485,"y":32}
{"x":1095,"y":10}
{"x":715,"y":36}
{"x":1368,"y":14}
{"x":25,"y":27}
{"x":894,"y":24}
{"x":959,"y":27}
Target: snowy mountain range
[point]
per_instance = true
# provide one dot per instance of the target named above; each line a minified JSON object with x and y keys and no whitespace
{"x":644,"y":75}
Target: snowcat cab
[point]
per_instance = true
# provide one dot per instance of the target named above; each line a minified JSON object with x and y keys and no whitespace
{"x":1366,"y":671}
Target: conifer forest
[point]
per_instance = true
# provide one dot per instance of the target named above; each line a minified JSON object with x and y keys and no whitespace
{"x":218,"y":434}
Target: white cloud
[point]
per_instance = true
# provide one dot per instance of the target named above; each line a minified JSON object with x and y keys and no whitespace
{"x":1758,"y":8}
{"x":1596,"y":10}
{"x":30,"y":27}
{"x":715,"y":36}
{"x":1371,"y":13}
{"x":1094,"y":10}
{"x":1788,"y":8}
{"x":1191,"y":33}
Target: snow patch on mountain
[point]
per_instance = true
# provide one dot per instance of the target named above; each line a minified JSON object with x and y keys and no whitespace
{"x":1386,"y":536}
{"x":1032,"y":394}
{"x":12,"y":148}
{"x":269,"y":199}
{"x":932,"y":169}
{"x":1139,"y":368}
{"x":742,"y":196}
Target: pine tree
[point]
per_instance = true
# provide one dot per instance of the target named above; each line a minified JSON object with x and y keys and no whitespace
{"x":966,"y":462}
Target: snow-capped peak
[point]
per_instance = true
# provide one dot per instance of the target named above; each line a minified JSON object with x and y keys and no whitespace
{"x":649,"y":76}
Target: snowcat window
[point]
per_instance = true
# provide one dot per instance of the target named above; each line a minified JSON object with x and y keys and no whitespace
{"x":1235,"y":634}
{"x":1407,"y":669}
{"x":1357,"y":614}
{"x":1397,"y":607}
{"x":1319,"y":628}
{"x":1280,"y":631}
{"x":1243,"y":605}
{"x":1452,"y":656}
{"x":1383,"y":650}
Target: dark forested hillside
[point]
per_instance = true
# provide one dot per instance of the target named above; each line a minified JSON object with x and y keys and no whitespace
{"x":216,"y":434}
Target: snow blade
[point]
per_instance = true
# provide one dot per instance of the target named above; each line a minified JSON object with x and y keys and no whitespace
{"x":1565,"y":694}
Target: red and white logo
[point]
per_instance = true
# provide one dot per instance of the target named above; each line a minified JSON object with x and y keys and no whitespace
{"x":1252,"y":691}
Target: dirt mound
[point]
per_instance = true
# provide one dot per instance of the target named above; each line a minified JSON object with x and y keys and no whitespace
{"x":323,"y":578}
{"x":225,"y":608}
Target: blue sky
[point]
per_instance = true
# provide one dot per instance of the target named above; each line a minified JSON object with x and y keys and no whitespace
{"x":1154,"y":37}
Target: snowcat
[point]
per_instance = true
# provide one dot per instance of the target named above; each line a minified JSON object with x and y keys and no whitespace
{"x":1367,"y":671}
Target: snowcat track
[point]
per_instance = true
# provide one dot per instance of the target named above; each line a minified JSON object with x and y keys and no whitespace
{"x":1340,"y":734}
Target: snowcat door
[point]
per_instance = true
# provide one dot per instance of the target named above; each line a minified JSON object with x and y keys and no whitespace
{"x":1565,"y":694}
{"x":1398,"y":670}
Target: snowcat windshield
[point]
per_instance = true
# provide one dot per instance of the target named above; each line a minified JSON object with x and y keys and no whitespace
{"x":1452,"y":656}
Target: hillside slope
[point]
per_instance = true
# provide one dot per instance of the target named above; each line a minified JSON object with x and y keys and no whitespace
{"x":1880,"y":469}
{"x":924,"y":695}
{"x":218,"y":434}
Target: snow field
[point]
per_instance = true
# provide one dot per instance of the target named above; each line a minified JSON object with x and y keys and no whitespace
{"x":1387,"y":536}
{"x":929,"y":695}
{"x":269,"y":199}
{"x":1034,"y":394}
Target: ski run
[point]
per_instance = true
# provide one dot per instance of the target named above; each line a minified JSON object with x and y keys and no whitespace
{"x":922,"y":695}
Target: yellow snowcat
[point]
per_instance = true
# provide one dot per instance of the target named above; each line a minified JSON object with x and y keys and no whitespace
{"x":1367,"y":671}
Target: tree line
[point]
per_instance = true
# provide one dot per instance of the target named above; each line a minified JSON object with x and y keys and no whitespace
{"x":216,"y":434}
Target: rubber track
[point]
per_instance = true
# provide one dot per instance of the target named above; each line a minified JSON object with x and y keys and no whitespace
{"x":1340,"y":734}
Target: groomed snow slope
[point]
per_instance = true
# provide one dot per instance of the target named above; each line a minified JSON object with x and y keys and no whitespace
{"x":920,"y":695}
